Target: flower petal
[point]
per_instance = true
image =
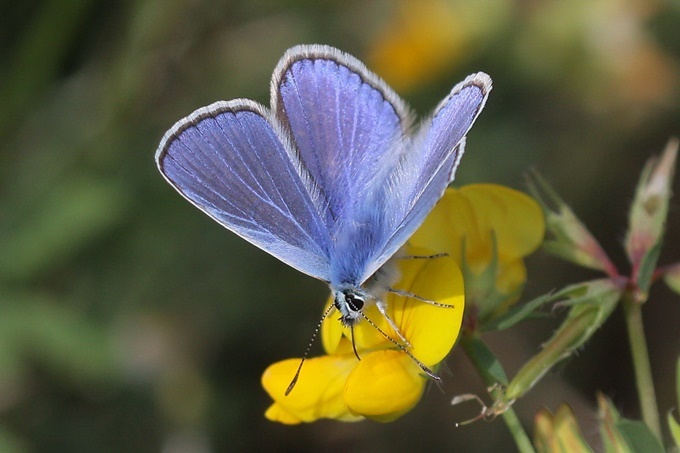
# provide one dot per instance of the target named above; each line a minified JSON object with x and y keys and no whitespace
{"x":317,"y":394}
{"x":384,"y":385}
{"x":331,"y":330}
{"x":276,"y":413}
{"x":431,"y":330}
{"x":336,"y":338}
{"x":511,"y":277}
{"x":469,"y":215}
{"x":451,"y":221}
{"x":516,"y":218}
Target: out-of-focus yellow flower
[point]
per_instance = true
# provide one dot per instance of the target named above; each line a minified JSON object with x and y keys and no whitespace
{"x":386,"y":382}
{"x":488,"y":229}
{"x":426,"y":38}
{"x":601,"y":53}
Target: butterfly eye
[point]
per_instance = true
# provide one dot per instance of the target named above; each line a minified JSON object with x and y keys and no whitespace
{"x":354,"y":302}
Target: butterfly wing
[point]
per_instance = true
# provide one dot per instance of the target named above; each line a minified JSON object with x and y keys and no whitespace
{"x":419,"y":181}
{"x":328,"y":182}
{"x":348,"y":127}
{"x":343,"y":121}
{"x":230,"y":161}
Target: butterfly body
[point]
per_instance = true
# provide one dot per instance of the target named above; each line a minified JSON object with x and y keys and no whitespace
{"x":333,"y":178}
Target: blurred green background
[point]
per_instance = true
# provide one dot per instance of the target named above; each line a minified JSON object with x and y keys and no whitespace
{"x":130,"y":321}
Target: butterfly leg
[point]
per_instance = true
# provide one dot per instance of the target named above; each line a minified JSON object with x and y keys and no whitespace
{"x":408,"y":294}
{"x":382,"y":307}
{"x":423,"y":257}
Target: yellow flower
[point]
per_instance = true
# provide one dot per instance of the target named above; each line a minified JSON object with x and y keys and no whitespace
{"x":386,"y":382}
{"x":488,"y":229}
{"x":480,"y":227}
{"x":425,"y":39}
{"x":602,"y":54}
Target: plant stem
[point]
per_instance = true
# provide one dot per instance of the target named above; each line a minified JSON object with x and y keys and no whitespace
{"x":521,"y":438}
{"x":471,"y":346}
{"x":643,"y":371}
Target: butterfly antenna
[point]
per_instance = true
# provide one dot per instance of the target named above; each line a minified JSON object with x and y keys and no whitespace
{"x":309,"y":347}
{"x":354,"y":344}
{"x":422,"y":366}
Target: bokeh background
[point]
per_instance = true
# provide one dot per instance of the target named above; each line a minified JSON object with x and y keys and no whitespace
{"x":129,"y":321}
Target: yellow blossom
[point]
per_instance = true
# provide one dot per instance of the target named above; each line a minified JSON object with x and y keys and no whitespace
{"x":476,"y":226}
{"x":482,"y":226}
{"x":424,"y":39}
{"x":386,"y":382}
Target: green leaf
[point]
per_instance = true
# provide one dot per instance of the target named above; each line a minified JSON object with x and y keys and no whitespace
{"x":591,"y":304}
{"x":639,"y":437}
{"x":480,"y":288}
{"x":612,"y":440}
{"x":647,"y":267}
{"x":516,"y":314}
{"x":484,"y":360}
{"x":623,"y":435}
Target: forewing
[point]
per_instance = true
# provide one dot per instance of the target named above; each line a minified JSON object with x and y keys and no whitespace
{"x":344,"y":122}
{"x":421,"y":178}
{"x":229,"y":160}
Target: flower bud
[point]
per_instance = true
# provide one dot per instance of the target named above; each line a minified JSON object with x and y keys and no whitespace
{"x":648,"y":215}
{"x":570,"y":239}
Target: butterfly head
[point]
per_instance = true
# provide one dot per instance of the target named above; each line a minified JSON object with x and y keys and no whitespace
{"x":349,"y":302}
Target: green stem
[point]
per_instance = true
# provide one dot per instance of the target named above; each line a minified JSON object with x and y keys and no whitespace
{"x":472,"y":347}
{"x":521,"y":438}
{"x":643,"y":369}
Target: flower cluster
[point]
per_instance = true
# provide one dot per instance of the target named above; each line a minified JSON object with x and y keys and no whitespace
{"x":488,"y":229}
{"x":386,"y":382}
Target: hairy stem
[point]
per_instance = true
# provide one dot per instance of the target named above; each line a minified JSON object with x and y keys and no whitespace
{"x":481,"y":366}
{"x":643,"y":369}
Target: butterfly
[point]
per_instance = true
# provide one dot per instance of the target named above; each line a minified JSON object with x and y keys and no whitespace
{"x":333,"y":178}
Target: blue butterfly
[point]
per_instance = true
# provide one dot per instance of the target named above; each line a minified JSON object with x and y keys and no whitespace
{"x":333,"y":178}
